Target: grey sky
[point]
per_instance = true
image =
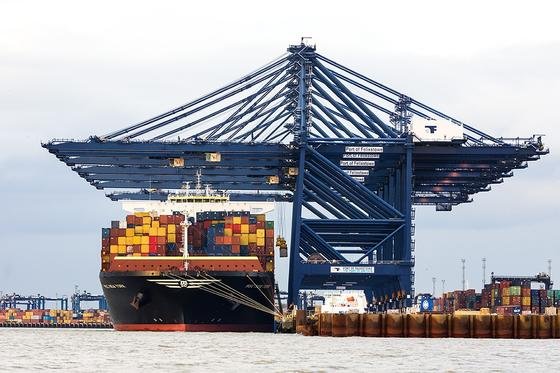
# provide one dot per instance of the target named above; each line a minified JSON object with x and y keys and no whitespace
{"x":69,"y":70}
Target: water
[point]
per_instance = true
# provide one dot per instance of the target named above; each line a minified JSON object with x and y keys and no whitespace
{"x":106,"y":350}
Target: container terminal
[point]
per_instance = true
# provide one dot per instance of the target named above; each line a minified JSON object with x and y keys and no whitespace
{"x":349,"y":155}
{"x":32,"y":311}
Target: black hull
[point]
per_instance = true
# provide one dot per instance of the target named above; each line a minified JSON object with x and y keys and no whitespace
{"x":154,"y":301}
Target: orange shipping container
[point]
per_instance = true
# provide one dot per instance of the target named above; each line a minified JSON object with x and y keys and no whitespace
{"x":244,"y":229}
{"x":129,"y":232}
{"x":227,"y":240}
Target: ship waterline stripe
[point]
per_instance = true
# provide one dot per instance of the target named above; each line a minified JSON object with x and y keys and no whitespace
{"x":195,"y":327}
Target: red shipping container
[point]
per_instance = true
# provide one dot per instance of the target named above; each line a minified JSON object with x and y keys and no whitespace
{"x":515,"y":301}
{"x":244,"y":220}
{"x":252,"y":229}
{"x":153,"y":248}
{"x":138,"y":220}
{"x":161,"y":240}
{"x":207,"y":224}
{"x":114,"y":232}
{"x":114,"y":240}
{"x":235,"y":240}
{"x":219,"y":240}
{"x":269,"y":243}
{"x":130,"y":219}
{"x":269,"y":233}
{"x":105,"y":242}
{"x":260,"y":224}
{"x":236,"y":228}
{"x":136,"y":248}
{"x":164,"y":219}
{"x":161,"y":249}
{"x":153,"y":240}
{"x":228,"y":220}
{"x":235,"y":249}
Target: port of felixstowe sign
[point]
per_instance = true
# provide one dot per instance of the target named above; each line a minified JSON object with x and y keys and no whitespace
{"x":351,"y":269}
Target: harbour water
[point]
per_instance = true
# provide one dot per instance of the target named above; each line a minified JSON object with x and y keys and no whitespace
{"x":107,"y":350}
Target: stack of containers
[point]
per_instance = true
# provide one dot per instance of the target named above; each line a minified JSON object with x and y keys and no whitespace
{"x":238,"y":233}
{"x":142,"y":235}
{"x":214,"y":233}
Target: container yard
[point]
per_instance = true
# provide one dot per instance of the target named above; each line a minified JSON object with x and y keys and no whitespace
{"x":349,"y":155}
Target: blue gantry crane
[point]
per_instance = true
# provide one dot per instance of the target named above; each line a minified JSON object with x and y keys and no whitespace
{"x":31,"y":302}
{"x":352,"y":156}
{"x":77,"y":298}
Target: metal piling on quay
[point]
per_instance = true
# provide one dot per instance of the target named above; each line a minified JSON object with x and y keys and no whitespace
{"x":426,"y":325}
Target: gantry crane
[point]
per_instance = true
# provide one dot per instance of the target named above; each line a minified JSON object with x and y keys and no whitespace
{"x":352,"y":156}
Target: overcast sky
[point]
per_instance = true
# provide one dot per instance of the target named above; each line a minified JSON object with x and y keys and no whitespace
{"x":69,"y":70}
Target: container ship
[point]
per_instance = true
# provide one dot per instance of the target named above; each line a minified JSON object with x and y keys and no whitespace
{"x":196,"y":262}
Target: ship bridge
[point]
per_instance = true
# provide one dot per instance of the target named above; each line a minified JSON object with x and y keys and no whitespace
{"x":352,"y":156}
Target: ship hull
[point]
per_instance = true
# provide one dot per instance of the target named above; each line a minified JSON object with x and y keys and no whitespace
{"x":189,"y":302}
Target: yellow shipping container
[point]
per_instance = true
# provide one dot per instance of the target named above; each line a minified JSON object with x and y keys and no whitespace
{"x":526,"y":301}
{"x":171,"y":228}
{"x":145,"y":240}
{"x":136,"y":254}
{"x":121,"y":240}
{"x":146,"y":229}
{"x":237,"y":220}
{"x":122,"y":249}
{"x":137,"y":240}
{"x":252,"y":238}
{"x":146,"y":220}
{"x":505,"y":301}
{"x":145,"y":249}
{"x":228,"y":232}
{"x":138,"y":229}
{"x":162,"y":231}
{"x":505,"y":292}
{"x":130,"y":240}
{"x":155,"y":224}
{"x":260,"y":233}
{"x":171,"y":238}
{"x":142,"y":214}
{"x":129,"y":232}
{"x":260,"y":241}
{"x":244,"y":240}
{"x":244,"y":228}
{"x":153,"y":231}
{"x":114,"y":249}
